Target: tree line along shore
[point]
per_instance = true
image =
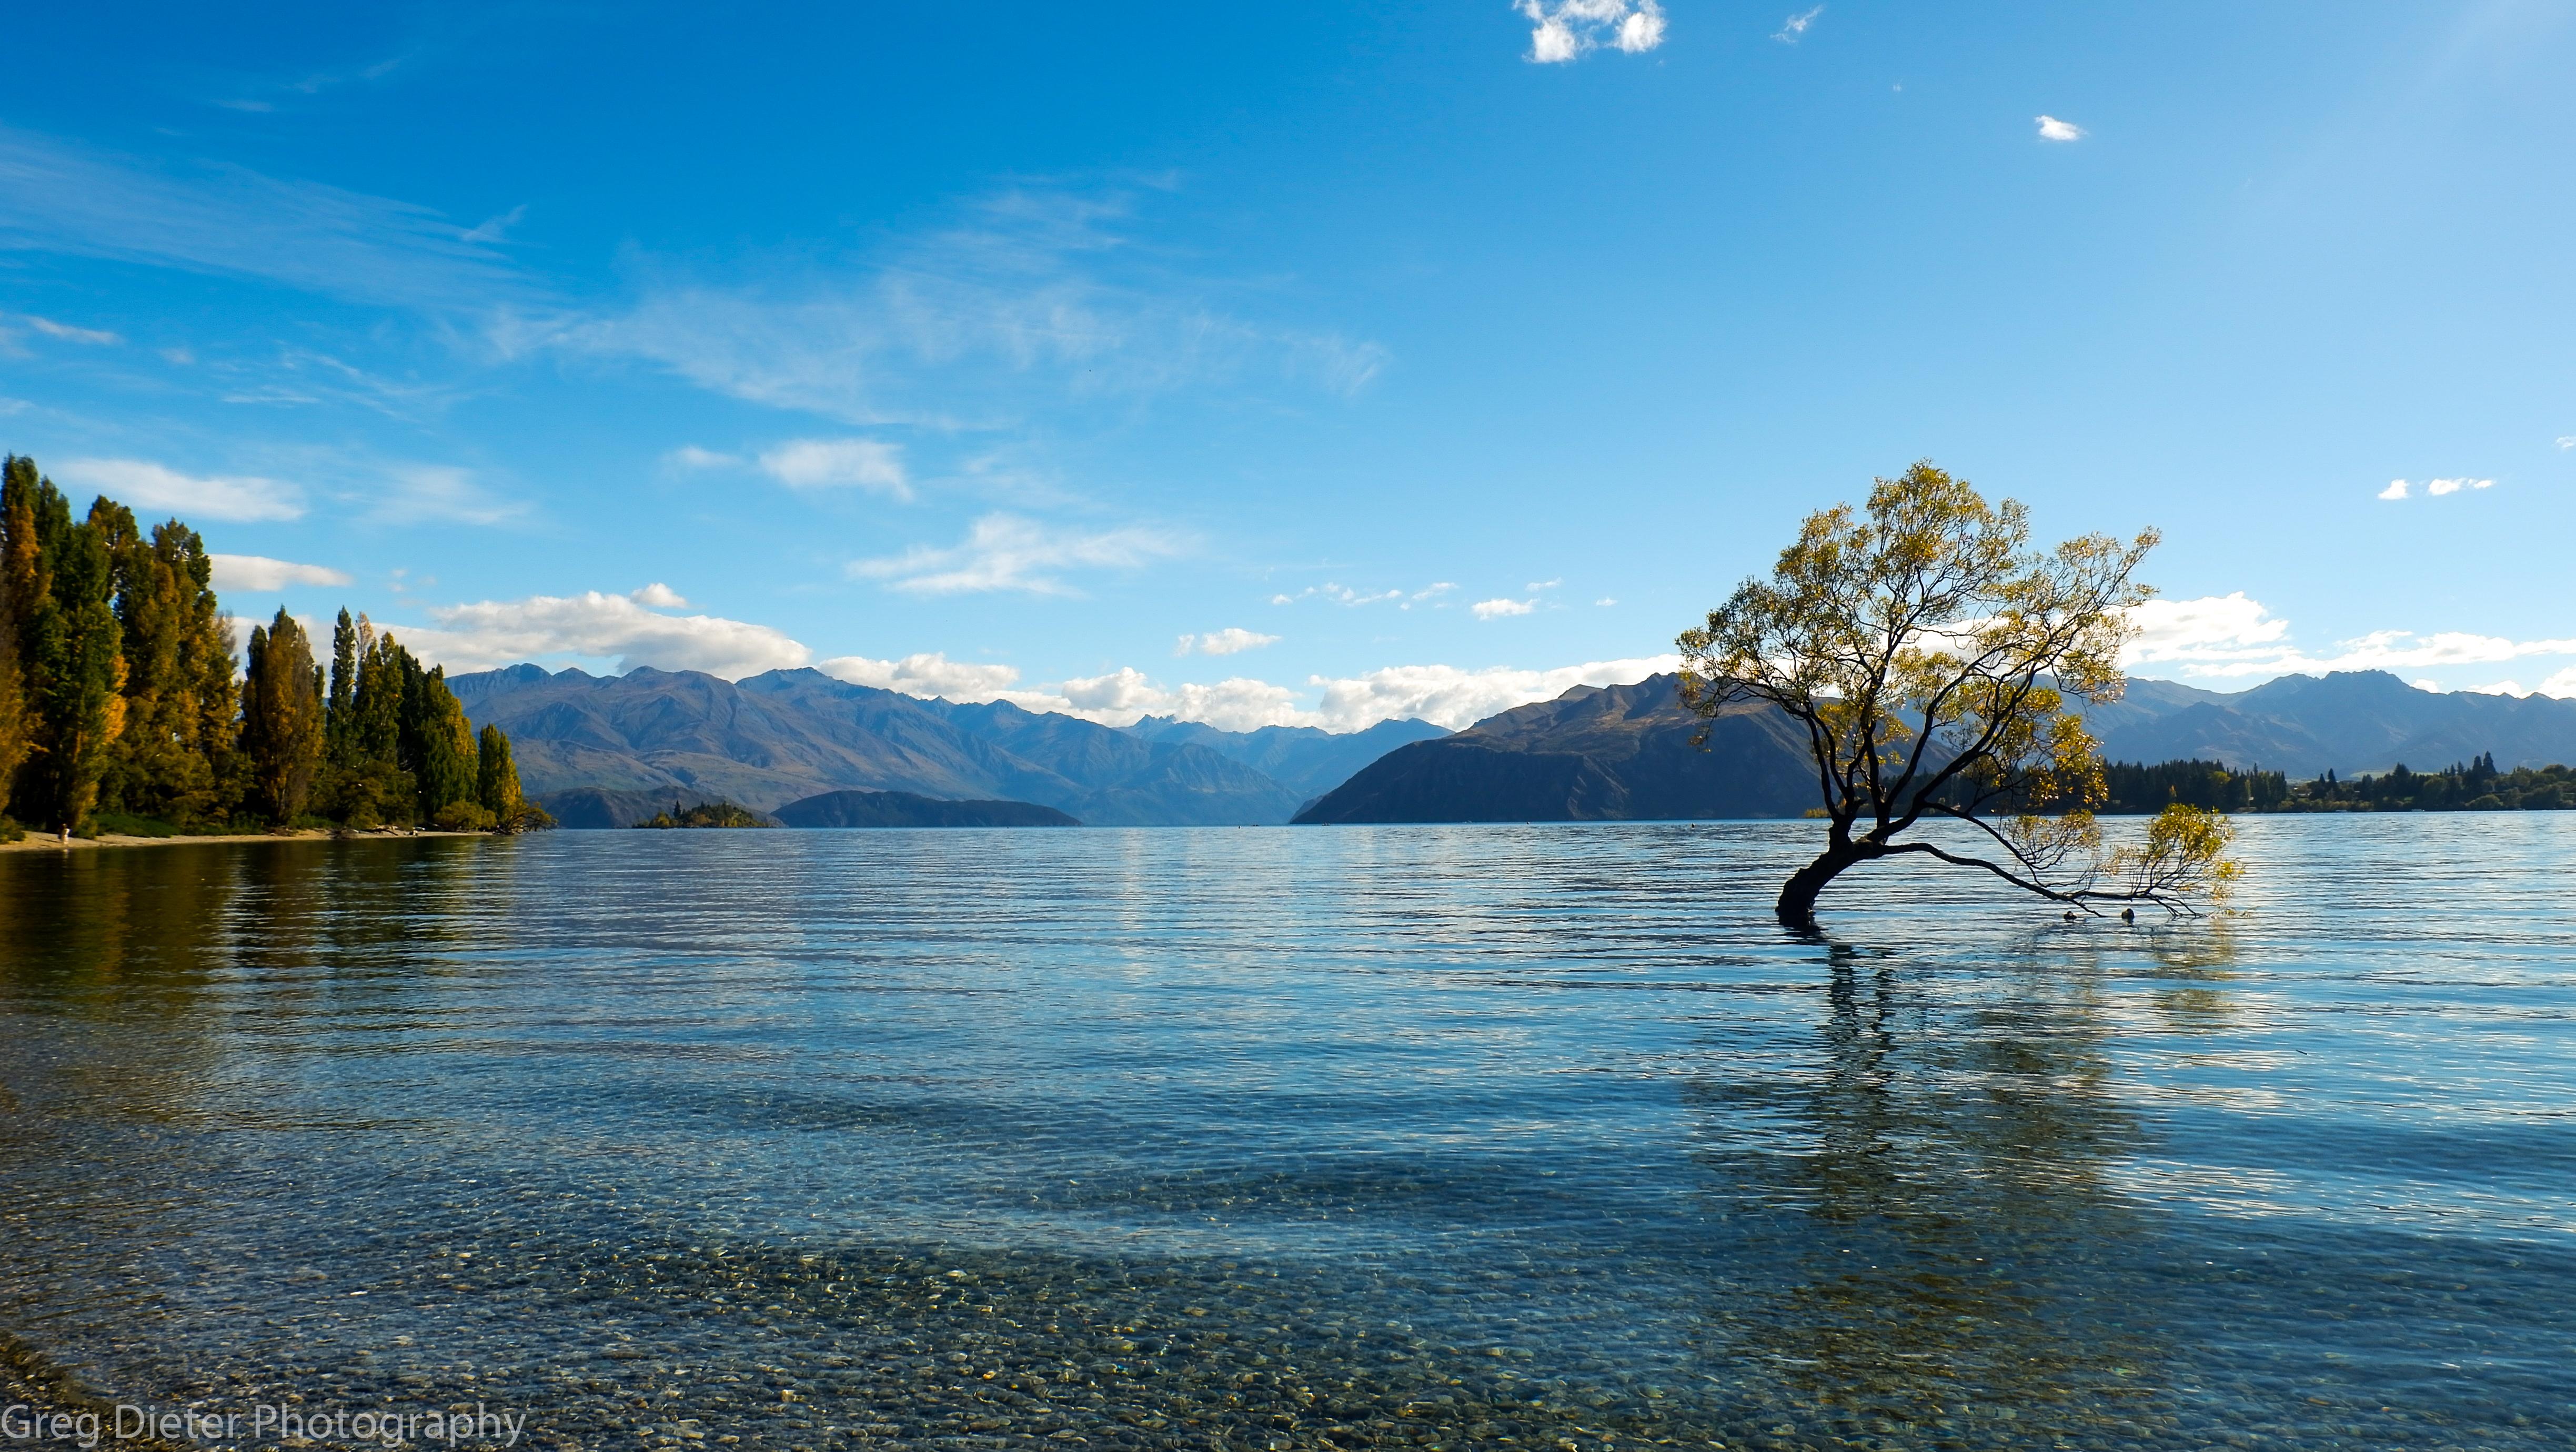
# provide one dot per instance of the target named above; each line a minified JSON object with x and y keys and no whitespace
{"x":123,"y":709}
{"x":2477,"y":785}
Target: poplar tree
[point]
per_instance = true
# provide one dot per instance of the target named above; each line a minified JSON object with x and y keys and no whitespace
{"x":441,"y":741}
{"x":70,"y":664}
{"x":498,"y":774}
{"x":17,"y":599}
{"x":281,"y":732}
{"x":167,"y":763}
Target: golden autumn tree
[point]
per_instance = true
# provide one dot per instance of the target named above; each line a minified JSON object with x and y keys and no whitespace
{"x":1930,"y":655}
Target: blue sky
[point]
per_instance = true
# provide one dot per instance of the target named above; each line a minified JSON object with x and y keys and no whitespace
{"x":1308,"y":363}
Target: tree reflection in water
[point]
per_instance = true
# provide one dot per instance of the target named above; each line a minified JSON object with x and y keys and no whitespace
{"x":1933,"y":1241}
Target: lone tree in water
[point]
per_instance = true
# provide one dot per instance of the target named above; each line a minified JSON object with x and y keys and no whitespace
{"x":1929,"y":653}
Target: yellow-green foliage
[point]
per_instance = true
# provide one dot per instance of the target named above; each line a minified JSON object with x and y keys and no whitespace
{"x":1929,"y":653}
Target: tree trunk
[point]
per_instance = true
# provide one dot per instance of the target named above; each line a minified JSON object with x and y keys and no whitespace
{"x":1797,"y":906}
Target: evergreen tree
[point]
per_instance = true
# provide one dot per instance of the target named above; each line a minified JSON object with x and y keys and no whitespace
{"x":69,"y":656}
{"x":498,"y":787}
{"x":281,"y":731}
{"x":338,"y":736}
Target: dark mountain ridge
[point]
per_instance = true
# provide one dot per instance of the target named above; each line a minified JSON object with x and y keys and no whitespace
{"x":1596,"y":753}
{"x":1624,"y":752}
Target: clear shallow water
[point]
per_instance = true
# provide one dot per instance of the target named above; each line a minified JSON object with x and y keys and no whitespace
{"x":1270,"y":1138}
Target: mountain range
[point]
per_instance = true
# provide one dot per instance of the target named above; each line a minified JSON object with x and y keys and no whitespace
{"x":609,"y":750}
{"x":615,"y":749}
{"x":1625,"y":753}
{"x":2351,"y":721}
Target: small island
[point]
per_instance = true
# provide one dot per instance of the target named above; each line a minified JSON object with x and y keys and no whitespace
{"x":717,"y":813}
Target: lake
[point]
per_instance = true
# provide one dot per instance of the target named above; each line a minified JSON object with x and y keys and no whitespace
{"x":1272,"y":1138}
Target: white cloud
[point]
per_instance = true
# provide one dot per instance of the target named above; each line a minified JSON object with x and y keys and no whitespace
{"x":241,"y":498}
{"x":70,"y":334}
{"x":1491,"y":609}
{"x":1605,"y":600}
{"x":1449,"y":696}
{"x":929,"y":674}
{"x":622,"y":628}
{"x":1565,"y":29}
{"x":1795,"y":27}
{"x":1011,"y":552}
{"x":2052,"y":129}
{"x":1544,"y":584}
{"x":440,"y":493}
{"x":660,"y":597}
{"x":259,"y":573}
{"x":2567,"y":441}
{"x":2229,"y":637}
{"x":838,"y":463}
{"x":2397,"y":488}
{"x":1232,"y":639}
{"x":2563,"y":684}
{"x":2213,"y":628}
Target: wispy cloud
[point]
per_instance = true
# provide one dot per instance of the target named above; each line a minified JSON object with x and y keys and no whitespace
{"x":837,"y":464}
{"x":1229,"y":641}
{"x":2052,"y":129}
{"x":69,"y":334}
{"x":258,"y":573}
{"x":626,"y":629}
{"x":1562,"y":30}
{"x":1012,"y":552}
{"x":494,"y":229}
{"x":2396,"y":490}
{"x":439,"y":494}
{"x":1793,"y":29}
{"x":1031,"y":297}
{"x":2567,"y":441}
{"x":1496,"y":609}
{"x":212,"y":217}
{"x":146,"y":486}
{"x":312,"y":83}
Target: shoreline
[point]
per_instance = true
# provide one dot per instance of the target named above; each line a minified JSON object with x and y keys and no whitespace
{"x":36,"y":841}
{"x":29,"y":1380}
